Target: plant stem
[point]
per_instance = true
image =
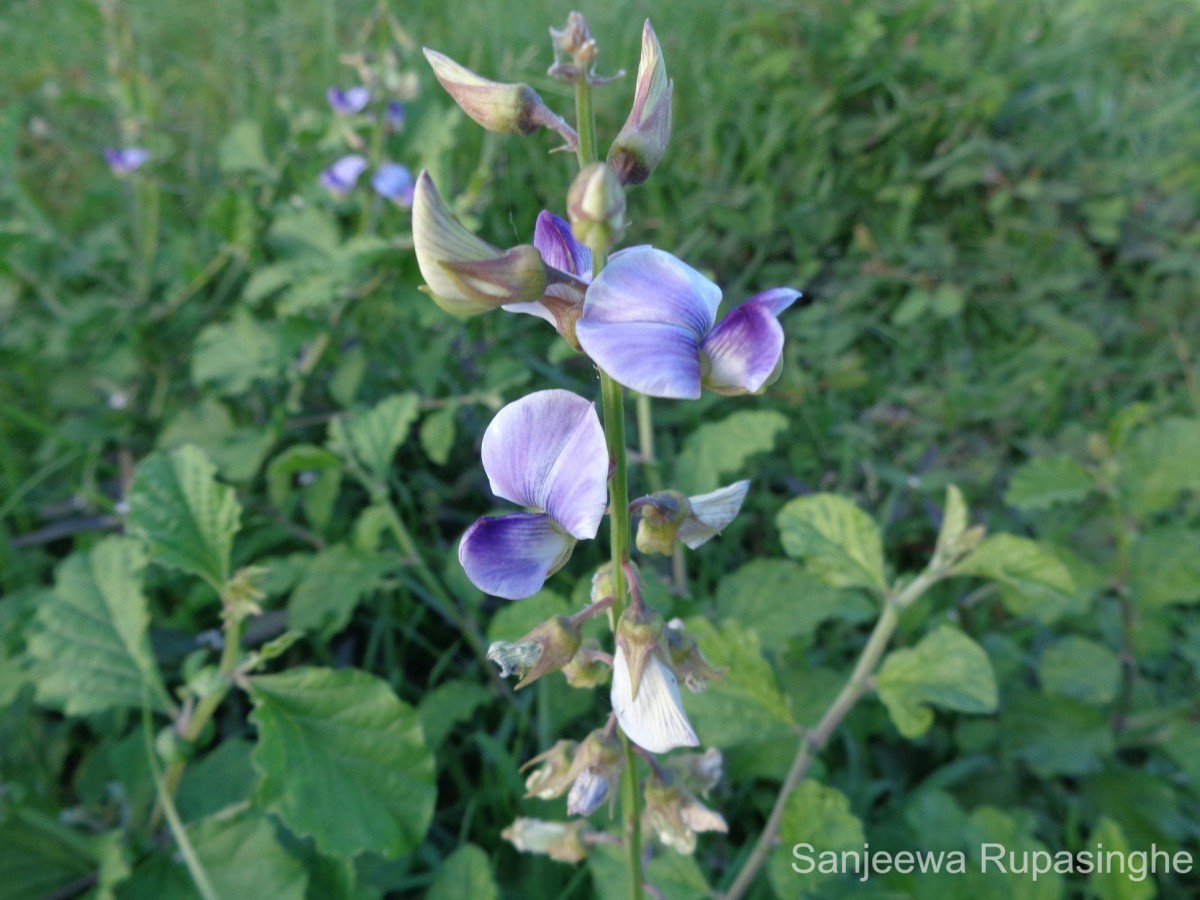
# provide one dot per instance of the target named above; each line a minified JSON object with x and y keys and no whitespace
{"x":859,"y":683}
{"x":613,"y":402}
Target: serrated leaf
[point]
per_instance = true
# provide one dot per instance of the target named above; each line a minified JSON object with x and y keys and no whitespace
{"x":1165,"y":567}
{"x":745,"y":705}
{"x":371,"y":437}
{"x":465,"y":874}
{"x":90,"y":646}
{"x":187,"y":517}
{"x":335,"y":582}
{"x":1079,"y":668}
{"x":947,"y":669}
{"x":236,"y":451}
{"x":1023,"y":565}
{"x":1158,"y":464}
{"x":779,"y":600}
{"x":819,"y":816}
{"x":342,"y":759}
{"x":1044,"y":481}
{"x":718,"y":449}
{"x":837,"y":541}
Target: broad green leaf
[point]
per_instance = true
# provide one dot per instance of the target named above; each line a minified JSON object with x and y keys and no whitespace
{"x":1023,"y":565}
{"x":1165,"y":566}
{"x":237,"y":451}
{"x":342,"y":759}
{"x":241,"y":150}
{"x":1116,"y":885}
{"x":465,"y":874}
{"x":720,"y":449}
{"x":1159,"y":463}
{"x":90,"y":645}
{"x":32,"y":865}
{"x":221,"y":778}
{"x":817,"y":816}
{"x":437,"y":434}
{"x":312,"y":293}
{"x":187,"y":517}
{"x":779,"y":600}
{"x":448,"y":704}
{"x":231,"y":356}
{"x":947,"y":669}
{"x":336,"y":581}
{"x":837,"y":541}
{"x":239,"y":851}
{"x":1015,"y":833}
{"x":305,"y":229}
{"x":371,"y":437}
{"x":745,"y":705}
{"x":1044,"y":481}
{"x":310,"y":472}
{"x":1055,"y":735}
{"x":673,"y":875}
{"x":955,"y":519}
{"x":1079,"y":668}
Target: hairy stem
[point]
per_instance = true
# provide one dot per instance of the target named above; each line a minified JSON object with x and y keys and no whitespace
{"x":858,"y":684}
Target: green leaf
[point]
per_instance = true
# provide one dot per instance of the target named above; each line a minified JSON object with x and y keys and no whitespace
{"x":955,"y":519}
{"x":241,"y":150}
{"x":1079,"y":668}
{"x":237,"y":451}
{"x":222,"y":778}
{"x":744,"y":706}
{"x":186,"y":516}
{"x":447,"y":705}
{"x":1165,"y":566}
{"x":370,"y":438}
{"x":947,"y":669}
{"x":231,"y":356}
{"x":837,"y":541}
{"x":242,"y":855}
{"x":437,"y":434}
{"x":1023,"y":565}
{"x":310,"y":472}
{"x":820,"y":816}
{"x":336,"y":581}
{"x":779,"y":600}
{"x":1045,"y":481}
{"x":342,"y":759}
{"x":465,"y":874}
{"x":722,"y":448}
{"x":32,"y":865}
{"x":90,"y":645}
{"x":1055,"y":735}
{"x":674,"y":876}
{"x":1116,"y":885}
{"x":1158,"y":464}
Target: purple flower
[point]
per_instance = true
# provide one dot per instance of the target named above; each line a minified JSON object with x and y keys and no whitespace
{"x":348,"y":102}
{"x":394,"y":182}
{"x":126,"y":160}
{"x":648,"y":321}
{"x":394,"y":115}
{"x":341,"y":177}
{"x":545,"y":452}
{"x":554,"y":240}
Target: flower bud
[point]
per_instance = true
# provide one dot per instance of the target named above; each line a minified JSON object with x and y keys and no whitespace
{"x":662,"y":514}
{"x":676,"y":816}
{"x":589,"y":668}
{"x":696,"y":772}
{"x":596,"y":206}
{"x":642,"y":142}
{"x":576,"y":41}
{"x":689,"y":663}
{"x":639,"y":635}
{"x":546,"y":649}
{"x":465,"y":275}
{"x":553,"y":775}
{"x":503,"y":108}
{"x":597,"y":767}
{"x":562,"y":841}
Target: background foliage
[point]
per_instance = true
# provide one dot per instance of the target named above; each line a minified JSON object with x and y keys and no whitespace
{"x":994,"y":206}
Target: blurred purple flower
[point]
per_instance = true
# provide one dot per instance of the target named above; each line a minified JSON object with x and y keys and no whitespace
{"x":348,"y":102}
{"x":126,"y":160}
{"x":545,"y":452}
{"x":341,"y":177}
{"x":554,"y":240}
{"x":394,"y":182}
{"x":394,"y":115}
{"x":648,"y":321}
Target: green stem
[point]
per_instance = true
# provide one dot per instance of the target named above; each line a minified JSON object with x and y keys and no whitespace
{"x":859,"y":683}
{"x":613,"y":402}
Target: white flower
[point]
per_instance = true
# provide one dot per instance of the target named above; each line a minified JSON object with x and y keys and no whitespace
{"x":711,"y":513}
{"x":655,"y":719}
